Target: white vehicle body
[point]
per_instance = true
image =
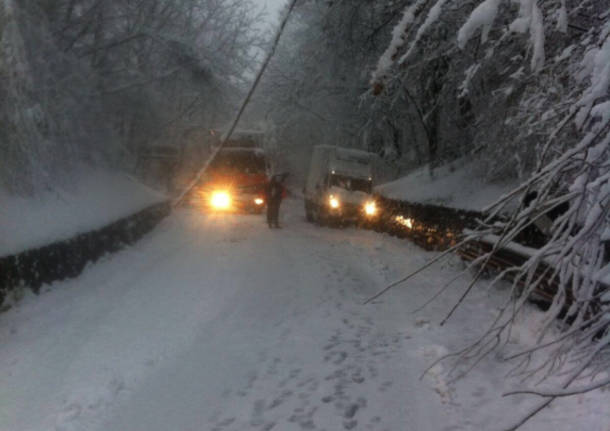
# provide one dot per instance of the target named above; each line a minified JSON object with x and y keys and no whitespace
{"x":339,"y":184}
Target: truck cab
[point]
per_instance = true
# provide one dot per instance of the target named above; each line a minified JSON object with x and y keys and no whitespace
{"x":236,"y":179}
{"x":339,"y":185}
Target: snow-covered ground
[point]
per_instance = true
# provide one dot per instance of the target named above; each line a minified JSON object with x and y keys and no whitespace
{"x":98,"y":198}
{"x":461,"y":187}
{"x":218,"y":323}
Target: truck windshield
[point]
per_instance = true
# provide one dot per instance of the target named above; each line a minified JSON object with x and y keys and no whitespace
{"x":247,"y":162}
{"x":351,"y":184}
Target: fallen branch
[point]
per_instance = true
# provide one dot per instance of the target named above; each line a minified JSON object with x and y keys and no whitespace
{"x":561,"y":393}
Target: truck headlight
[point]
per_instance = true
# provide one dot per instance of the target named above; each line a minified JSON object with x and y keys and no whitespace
{"x":370,"y":208}
{"x":221,"y":200}
{"x":334,"y":202}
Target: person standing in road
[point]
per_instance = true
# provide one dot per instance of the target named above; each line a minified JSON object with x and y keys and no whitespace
{"x":275,"y":193}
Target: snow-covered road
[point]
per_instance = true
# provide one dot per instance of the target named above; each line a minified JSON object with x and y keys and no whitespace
{"x":218,"y":323}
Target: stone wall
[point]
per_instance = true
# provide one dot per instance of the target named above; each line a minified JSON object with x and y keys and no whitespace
{"x":67,"y":259}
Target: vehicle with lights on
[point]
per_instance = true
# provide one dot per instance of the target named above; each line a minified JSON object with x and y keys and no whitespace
{"x":339,"y":185}
{"x":235,"y":180}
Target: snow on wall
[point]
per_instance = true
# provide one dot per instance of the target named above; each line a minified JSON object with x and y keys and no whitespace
{"x":459,"y":188}
{"x":97,"y":199}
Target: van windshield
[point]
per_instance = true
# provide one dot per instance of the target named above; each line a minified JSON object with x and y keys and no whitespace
{"x":351,"y":184}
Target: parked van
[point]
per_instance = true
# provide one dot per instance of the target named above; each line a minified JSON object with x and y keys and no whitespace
{"x":340,"y":185}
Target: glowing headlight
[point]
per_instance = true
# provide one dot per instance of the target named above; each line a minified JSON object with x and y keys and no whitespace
{"x":221,"y":200}
{"x":334,"y":202}
{"x":370,"y":208}
{"x":259,"y":201}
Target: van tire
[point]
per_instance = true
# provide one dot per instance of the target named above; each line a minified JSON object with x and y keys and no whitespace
{"x":319,"y":215}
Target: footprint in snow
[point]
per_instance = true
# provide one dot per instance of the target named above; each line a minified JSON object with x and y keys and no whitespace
{"x":351,"y":410}
{"x":351,"y":424}
{"x":339,"y":357}
{"x":385,"y":386}
{"x":71,"y":412}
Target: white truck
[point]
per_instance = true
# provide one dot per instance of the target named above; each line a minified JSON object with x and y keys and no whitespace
{"x":339,"y":185}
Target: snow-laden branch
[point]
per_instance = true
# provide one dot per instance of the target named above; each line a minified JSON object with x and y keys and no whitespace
{"x":481,"y":18}
{"x":399,"y":37}
{"x":433,"y":15}
{"x":561,"y":393}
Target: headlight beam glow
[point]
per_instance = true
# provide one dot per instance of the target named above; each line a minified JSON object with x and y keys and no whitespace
{"x":334,"y":202}
{"x":221,"y":200}
{"x":370,"y":208}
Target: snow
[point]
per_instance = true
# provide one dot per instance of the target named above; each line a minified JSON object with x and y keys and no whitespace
{"x":603,"y":276}
{"x":468,"y":75}
{"x":218,"y":323}
{"x":482,"y":17}
{"x":537,"y":38}
{"x":95,"y":199}
{"x":562,"y":17}
{"x":601,"y":111}
{"x":565,"y":54}
{"x":460,"y":188}
{"x":522,"y":23}
{"x":431,"y":18}
{"x":517,"y":248}
{"x":531,"y":19}
{"x":606,"y":29}
{"x":596,"y":66}
{"x":399,"y":34}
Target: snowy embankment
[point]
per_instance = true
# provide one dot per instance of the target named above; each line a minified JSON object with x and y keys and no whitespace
{"x":458,"y":188}
{"x":94,"y":200}
{"x":218,"y":323}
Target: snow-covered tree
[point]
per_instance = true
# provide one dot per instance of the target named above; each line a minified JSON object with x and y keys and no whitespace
{"x":313,"y":89}
{"x":92,"y":81}
{"x":529,"y":82}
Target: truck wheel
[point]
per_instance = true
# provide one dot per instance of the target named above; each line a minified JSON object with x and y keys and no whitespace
{"x":308,"y":212}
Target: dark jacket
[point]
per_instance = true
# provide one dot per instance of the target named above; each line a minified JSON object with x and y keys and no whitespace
{"x":274,"y":191}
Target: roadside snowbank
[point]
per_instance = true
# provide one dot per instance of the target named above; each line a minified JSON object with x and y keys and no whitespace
{"x":457,"y":188}
{"x":95,"y":200}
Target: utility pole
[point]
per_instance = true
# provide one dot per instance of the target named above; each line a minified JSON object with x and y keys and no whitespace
{"x":244,"y":104}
